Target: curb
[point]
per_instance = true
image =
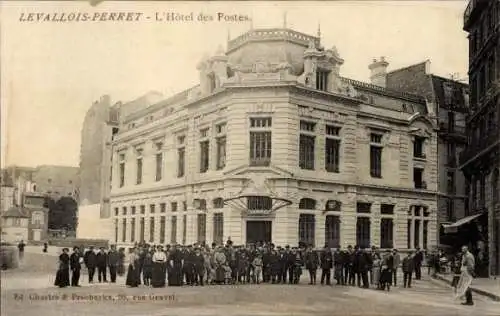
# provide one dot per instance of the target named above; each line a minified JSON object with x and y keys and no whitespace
{"x":492,"y":296}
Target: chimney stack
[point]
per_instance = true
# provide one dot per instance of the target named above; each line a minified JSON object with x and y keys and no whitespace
{"x":378,"y":70}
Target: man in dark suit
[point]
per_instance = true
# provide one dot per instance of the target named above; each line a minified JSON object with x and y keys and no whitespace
{"x":362,"y":263}
{"x":283,"y":261}
{"x":75,"y":266}
{"x":113,"y":261}
{"x":417,"y":261}
{"x":102,"y":264}
{"x":408,"y":268}
{"x":90,"y":260}
{"x":326,"y":261}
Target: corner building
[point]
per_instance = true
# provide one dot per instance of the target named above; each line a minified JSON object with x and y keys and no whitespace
{"x":274,"y":145}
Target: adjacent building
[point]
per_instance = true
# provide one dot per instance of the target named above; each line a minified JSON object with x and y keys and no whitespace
{"x":99,"y":127}
{"x":27,"y":221}
{"x":480,"y":161}
{"x":275,"y":145}
{"x":54,"y":181}
{"x":450,"y":100}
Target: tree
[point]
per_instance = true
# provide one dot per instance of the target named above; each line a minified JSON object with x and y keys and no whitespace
{"x":62,"y":213}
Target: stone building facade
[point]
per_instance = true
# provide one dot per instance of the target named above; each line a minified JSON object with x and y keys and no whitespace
{"x":450,"y":99}
{"x":480,"y":161}
{"x":275,"y":145}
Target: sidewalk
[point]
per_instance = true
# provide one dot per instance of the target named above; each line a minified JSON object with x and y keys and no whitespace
{"x":487,"y":287}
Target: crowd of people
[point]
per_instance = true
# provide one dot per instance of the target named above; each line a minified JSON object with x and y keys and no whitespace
{"x":201,"y":264}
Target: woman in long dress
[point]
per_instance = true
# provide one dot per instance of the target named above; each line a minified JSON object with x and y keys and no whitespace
{"x":159,"y":268}
{"x":62,"y":275}
{"x":133,"y":273}
{"x":376,"y":269}
{"x":175,"y":267}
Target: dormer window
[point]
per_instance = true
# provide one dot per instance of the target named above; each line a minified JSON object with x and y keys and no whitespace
{"x":322,"y":79}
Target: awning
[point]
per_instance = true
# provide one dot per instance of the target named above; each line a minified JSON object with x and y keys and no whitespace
{"x":452,"y":228}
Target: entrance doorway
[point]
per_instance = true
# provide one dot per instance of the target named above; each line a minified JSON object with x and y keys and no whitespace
{"x":259,"y":231}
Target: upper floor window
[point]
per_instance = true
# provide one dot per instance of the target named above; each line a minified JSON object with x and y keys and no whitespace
{"x":139,"y":166}
{"x":218,"y":203}
{"x":259,"y":203}
{"x":122,"y":170}
{"x":322,"y":79}
{"x":204,"y":150}
{"x":332,"y":148}
{"x":159,"y":161}
{"x":261,"y":122}
{"x":181,"y":153}
{"x":418,"y":147}
{"x":221,"y":145}
{"x":260,"y":141}
{"x":204,"y":156}
{"x":376,"y":155}
{"x":37,"y":218}
{"x":451,"y":121}
{"x":204,"y":133}
{"x":418,"y":178}
{"x":307,"y":204}
{"x":307,"y":145}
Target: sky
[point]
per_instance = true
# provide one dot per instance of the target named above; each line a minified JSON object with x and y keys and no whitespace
{"x":51,"y":72}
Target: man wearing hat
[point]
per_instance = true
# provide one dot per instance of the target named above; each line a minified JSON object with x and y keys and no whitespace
{"x":188,"y":267}
{"x":90,"y":260}
{"x":199,"y":266}
{"x":102,"y":264}
{"x":75,"y":266}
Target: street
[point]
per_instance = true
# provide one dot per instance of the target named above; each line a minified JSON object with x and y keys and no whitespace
{"x":31,"y":293}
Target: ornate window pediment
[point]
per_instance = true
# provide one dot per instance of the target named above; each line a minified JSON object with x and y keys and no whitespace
{"x":420,"y":132}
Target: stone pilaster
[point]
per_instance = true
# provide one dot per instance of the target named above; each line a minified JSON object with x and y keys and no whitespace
{"x":348,"y":220}
{"x":191,"y":226}
{"x":375,"y":224}
{"x":210,"y":227}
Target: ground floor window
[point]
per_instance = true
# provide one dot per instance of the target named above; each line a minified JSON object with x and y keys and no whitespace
{"x":219,"y":228}
{"x":307,"y":228}
{"x":124,"y":230}
{"x":332,"y":231}
{"x":363,"y":232}
{"x":141,"y":229}
{"x":184,"y":229}
{"x":151,"y":229}
{"x":162,"y":229}
{"x":416,"y":235}
{"x":173,"y":232}
{"x":202,"y":228}
{"x":386,"y":233}
{"x":132,"y":230}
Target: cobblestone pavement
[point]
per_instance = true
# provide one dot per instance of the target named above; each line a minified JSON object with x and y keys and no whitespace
{"x":32,"y":294}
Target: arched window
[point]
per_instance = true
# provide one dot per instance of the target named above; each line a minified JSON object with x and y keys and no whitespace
{"x":200,"y":204}
{"x":494,"y":186}
{"x":259,"y":203}
{"x":218,"y":203}
{"x":332,"y":205}
{"x":307,"y":204}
